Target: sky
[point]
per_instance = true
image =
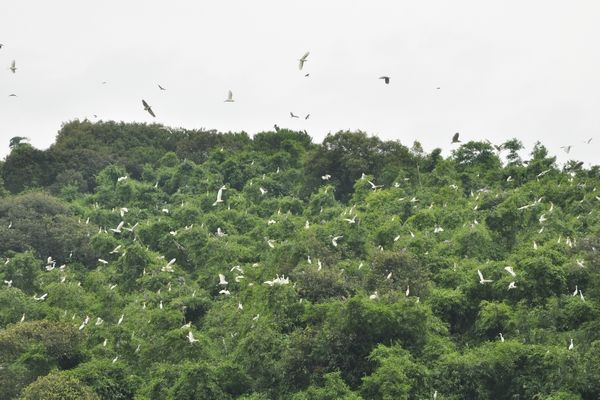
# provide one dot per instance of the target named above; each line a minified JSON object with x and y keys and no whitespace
{"x":504,"y":69}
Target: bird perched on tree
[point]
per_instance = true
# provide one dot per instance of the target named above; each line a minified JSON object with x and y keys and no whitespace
{"x":386,"y":79}
{"x":148,"y":108}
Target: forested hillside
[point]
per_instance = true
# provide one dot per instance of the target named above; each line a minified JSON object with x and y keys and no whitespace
{"x":140,"y":262}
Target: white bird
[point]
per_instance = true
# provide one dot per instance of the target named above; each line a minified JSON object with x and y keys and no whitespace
{"x":481,"y":280}
{"x":105,"y":342}
{"x":229,"y":98}
{"x":580,"y":263}
{"x":160,"y":305}
{"x":222,"y":280}
{"x":240,"y":306}
{"x":438,"y":229}
{"x":535,"y":246}
{"x":219,"y":195}
{"x":115,"y":250}
{"x":115,"y":359}
{"x":9,"y":283}
{"x":220,"y":233}
{"x":576,"y":291}
{"x":270,"y":243}
{"x":326,"y":177}
{"x":389,"y":276}
{"x":307,"y":225}
{"x":407,"y":290}
{"x":118,"y":228}
{"x":374,"y":186}
{"x":23,"y":318}
{"x":374,"y":295}
{"x":501,"y":337}
{"x":335,"y":239}
{"x":225,"y":292}
{"x":165,"y":210}
{"x":120,"y":319}
{"x":512,"y":286}
{"x":350,"y":221}
{"x":262,"y":191}
{"x":571,"y":345}
{"x":256,"y":317}
{"x":187,"y":326}
{"x":99,"y":321}
{"x":191,"y":338}
{"x":396,"y":238}
{"x":510,"y":270}
{"x":41,"y":298}
{"x":169,"y":266}
{"x":320,"y":265}
{"x":542,"y":218}
{"x":301,"y":60}
{"x":581,"y":295}
{"x":111,"y":287}
{"x":137,"y":349}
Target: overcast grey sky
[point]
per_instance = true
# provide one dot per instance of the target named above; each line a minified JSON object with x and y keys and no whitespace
{"x":525,"y":69}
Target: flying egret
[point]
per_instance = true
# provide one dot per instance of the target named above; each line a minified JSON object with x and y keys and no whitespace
{"x":262,"y":191}
{"x":40,"y":298}
{"x":386,"y":79}
{"x":118,"y":228}
{"x":481,"y":280}
{"x":292,"y":115}
{"x":326,"y":177}
{"x":160,"y":87}
{"x":102,"y":261}
{"x":374,"y":186}
{"x":335,"y":239}
{"x":301,"y":60}
{"x":512,"y":285}
{"x":219,"y":195}
{"x":13,"y":66}
{"x":229,"y":98}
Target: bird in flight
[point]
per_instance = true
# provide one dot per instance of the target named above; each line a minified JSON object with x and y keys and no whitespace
{"x":13,"y":67}
{"x":455,"y":138}
{"x":219,"y":195}
{"x":386,"y":79}
{"x":229,"y":98}
{"x":567,"y":149}
{"x":293,"y":115}
{"x":148,"y":108}
{"x":481,"y":280}
{"x":12,"y":95}
{"x":302,"y":60}
{"x":588,"y":141}
{"x":161,"y":88}
{"x":307,"y":116}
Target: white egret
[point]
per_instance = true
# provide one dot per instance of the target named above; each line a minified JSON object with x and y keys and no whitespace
{"x":571,"y":345}
{"x":120,"y":319}
{"x":512,"y":285}
{"x":219,"y":195}
{"x":225,"y":292}
{"x":222,"y":280}
{"x":481,"y":279}
{"x":510,"y":270}
{"x":335,"y":239}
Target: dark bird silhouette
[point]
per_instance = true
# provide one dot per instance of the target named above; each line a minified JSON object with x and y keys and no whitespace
{"x":386,"y":79}
{"x":148,"y":108}
{"x":229,"y":98}
{"x":306,"y":75}
{"x":13,"y":67}
{"x":307,"y":116}
{"x":161,"y":88}
{"x":12,"y":95}
{"x":455,"y":138}
{"x":1,"y":45}
{"x":588,"y":141}
{"x":293,"y":115}
{"x":276,"y":128}
{"x":567,"y":149}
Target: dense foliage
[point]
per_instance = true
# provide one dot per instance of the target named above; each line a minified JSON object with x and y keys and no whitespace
{"x":112,"y":242}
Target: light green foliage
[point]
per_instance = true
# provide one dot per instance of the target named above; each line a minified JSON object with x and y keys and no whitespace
{"x":393,"y":308}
